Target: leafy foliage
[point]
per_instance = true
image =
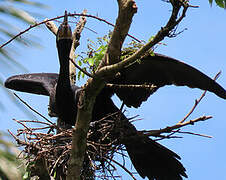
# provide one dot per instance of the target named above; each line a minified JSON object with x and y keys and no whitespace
{"x":96,"y":51}
{"x":95,"y":54}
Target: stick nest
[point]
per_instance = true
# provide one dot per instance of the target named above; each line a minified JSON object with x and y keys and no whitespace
{"x":47,"y":153}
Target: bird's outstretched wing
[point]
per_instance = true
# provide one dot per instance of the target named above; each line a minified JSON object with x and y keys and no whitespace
{"x":160,"y":70}
{"x":36,"y":83}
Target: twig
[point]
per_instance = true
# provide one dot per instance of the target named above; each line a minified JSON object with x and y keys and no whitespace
{"x":72,"y":22}
{"x":196,"y":134}
{"x":169,"y":136}
{"x":84,"y":71}
{"x":22,"y":142}
{"x":23,"y":125}
{"x":162,"y":33}
{"x":33,"y":121}
{"x":199,"y":100}
{"x":131,"y":86}
{"x":58,"y":17}
{"x":124,"y":168}
{"x":177,"y":126}
{"x":76,"y":37}
{"x":32,"y":109}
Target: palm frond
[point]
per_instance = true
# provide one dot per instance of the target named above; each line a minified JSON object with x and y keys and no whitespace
{"x":17,"y":13}
{"x":12,"y":11}
{"x":26,"y":2}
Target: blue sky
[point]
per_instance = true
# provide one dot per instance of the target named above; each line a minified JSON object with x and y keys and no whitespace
{"x":202,"y":45}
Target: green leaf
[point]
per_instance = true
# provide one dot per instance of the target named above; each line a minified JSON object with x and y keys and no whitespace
{"x":79,"y":62}
{"x":90,"y":61}
{"x":101,"y":48}
{"x":85,"y":60}
{"x":79,"y":75}
{"x":83,"y":75}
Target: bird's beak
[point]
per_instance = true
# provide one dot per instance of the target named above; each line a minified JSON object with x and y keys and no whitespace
{"x":64,"y":31}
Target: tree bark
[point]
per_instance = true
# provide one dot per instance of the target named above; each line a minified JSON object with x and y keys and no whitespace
{"x":94,"y":85}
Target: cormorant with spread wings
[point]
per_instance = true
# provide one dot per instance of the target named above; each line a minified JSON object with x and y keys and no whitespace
{"x":150,"y":159}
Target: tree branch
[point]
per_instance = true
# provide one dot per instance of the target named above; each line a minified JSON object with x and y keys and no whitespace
{"x":132,"y":86}
{"x":127,"y":9}
{"x":93,"y":87}
{"x":198,"y":101}
{"x":77,"y":66}
{"x":162,"y":33}
{"x":54,"y":31}
{"x":32,"y":109}
{"x":176,"y":126}
{"x":76,"y":37}
{"x":51,"y":26}
{"x":84,"y":115}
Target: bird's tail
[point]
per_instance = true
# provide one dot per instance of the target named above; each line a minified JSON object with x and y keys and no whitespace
{"x":153,"y":160}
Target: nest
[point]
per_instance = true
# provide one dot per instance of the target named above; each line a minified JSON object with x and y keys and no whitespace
{"x":43,"y":147}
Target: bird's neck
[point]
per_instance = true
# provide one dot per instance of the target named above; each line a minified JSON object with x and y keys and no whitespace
{"x":64,"y":47}
{"x":64,"y":94}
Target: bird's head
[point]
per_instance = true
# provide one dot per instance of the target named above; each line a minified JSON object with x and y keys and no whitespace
{"x":64,"y":41}
{"x":64,"y":31}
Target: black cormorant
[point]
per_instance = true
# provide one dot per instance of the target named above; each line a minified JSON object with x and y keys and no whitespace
{"x":150,"y":159}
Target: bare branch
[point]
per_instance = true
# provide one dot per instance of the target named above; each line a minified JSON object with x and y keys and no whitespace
{"x":164,"y":32}
{"x":196,"y":134}
{"x":76,"y":37}
{"x":132,"y":86}
{"x":127,"y":9}
{"x":51,"y":26}
{"x":199,"y":100}
{"x":55,"y":18}
{"x":84,"y":71}
{"x":32,"y":109}
{"x":124,"y":168}
{"x":177,"y":126}
{"x":28,"y":29}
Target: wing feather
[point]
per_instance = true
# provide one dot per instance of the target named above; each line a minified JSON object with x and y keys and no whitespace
{"x":160,"y":70}
{"x":36,"y":83}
